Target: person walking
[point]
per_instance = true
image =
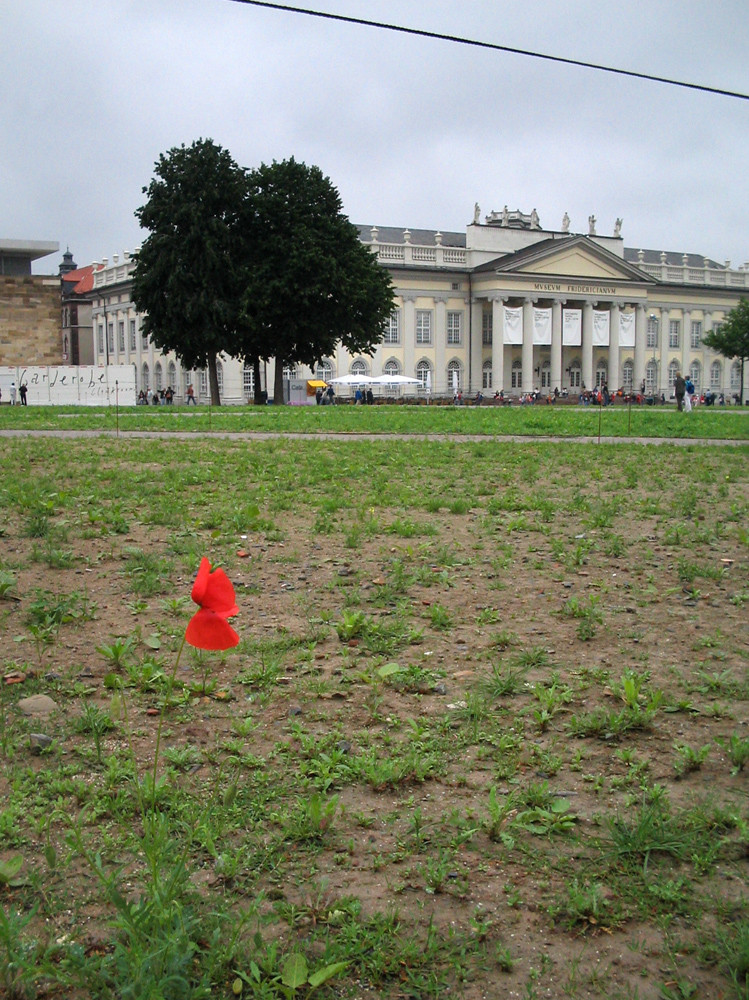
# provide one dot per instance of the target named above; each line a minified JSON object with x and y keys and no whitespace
{"x":680,"y":388}
{"x":191,"y":395}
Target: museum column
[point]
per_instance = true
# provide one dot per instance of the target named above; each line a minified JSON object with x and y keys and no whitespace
{"x":686,"y":341}
{"x":707,"y":325}
{"x":641,"y":336}
{"x":409,"y":333}
{"x":661,"y":372}
{"x":614,"y":353}
{"x":527,"y":355}
{"x":556,"y":344}
{"x":440,"y":340}
{"x":498,"y":343}
{"x":587,"y":347}
{"x":475,"y":349}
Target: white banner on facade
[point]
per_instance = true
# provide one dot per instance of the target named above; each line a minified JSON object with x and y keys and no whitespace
{"x":70,"y":385}
{"x":601,"y":327}
{"x":626,"y":329}
{"x":513,"y":333}
{"x":572,"y":327}
{"x":542,"y":327}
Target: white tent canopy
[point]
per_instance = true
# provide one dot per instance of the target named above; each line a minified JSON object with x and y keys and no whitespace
{"x":352,"y":379}
{"x":396,"y":380}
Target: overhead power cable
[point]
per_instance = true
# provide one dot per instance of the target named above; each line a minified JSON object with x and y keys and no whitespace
{"x":492,"y":45}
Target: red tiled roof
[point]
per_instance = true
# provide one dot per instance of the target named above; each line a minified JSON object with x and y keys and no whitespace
{"x":83,"y":278}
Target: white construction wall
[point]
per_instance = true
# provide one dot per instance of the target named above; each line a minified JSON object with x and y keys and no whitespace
{"x":71,"y":385}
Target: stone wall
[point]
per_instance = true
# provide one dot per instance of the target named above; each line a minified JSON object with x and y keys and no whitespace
{"x":30,"y":320}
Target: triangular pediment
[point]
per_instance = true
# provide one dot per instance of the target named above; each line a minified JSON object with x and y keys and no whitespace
{"x":573,"y":257}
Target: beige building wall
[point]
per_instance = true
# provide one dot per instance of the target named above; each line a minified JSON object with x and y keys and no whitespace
{"x":29,"y":320}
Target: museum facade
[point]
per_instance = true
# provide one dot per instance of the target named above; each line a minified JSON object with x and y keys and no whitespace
{"x":506,"y":306}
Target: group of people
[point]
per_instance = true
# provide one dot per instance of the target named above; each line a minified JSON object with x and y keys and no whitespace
{"x":364,"y":396}
{"x":327,"y":398}
{"x":159,"y":397}
{"x":22,"y":392}
{"x":687,"y":396}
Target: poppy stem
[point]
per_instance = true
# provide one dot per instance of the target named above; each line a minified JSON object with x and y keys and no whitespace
{"x":169,"y":686}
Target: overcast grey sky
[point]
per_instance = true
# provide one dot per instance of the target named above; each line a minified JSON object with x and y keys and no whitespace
{"x":412,"y":131}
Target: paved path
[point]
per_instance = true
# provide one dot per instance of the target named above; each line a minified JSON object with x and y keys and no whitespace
{"x":358,"y":436}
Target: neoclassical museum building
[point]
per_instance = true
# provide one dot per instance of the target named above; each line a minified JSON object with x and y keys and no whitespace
{"x":507,"y":305}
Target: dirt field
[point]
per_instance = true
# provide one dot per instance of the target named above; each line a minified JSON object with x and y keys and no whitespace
{"x":499,"y":690}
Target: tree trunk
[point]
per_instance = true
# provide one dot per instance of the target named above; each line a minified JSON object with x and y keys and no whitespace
{"x":278,"y":383}
{"x":213,"y":380}
{"x":256,"y":381}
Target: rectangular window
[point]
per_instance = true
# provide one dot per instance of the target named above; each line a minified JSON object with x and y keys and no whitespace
{"x":486,"y":329}
{"x":423,"y":327}
{"x":121,"y":336}
{"x":453,"y":328}
{"x":101,"y":338}
{"x":110,"y":337}
{"x":696,"y":333}
{"x":652,"y":337}
{"x":132,"y":334}
{"x":674,"y":331}
{"x":144,"y":341}
{"x":392,"y":328}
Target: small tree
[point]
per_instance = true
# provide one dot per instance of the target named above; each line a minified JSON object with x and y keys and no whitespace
{"x":188,"y":277}
{"x":311,"y":282}
{"x":732,"y":339}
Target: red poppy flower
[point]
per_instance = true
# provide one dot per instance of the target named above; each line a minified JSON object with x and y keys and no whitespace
{"x":209,"y":628}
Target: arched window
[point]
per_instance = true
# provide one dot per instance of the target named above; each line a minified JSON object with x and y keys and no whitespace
{"x":203,"y":376}
{"x":695,"y":373}
{"x":158,"y":377}
{"x":715,"y":375}
{"x":651,"y":374}
{"x":628,"y":375}
{"x":324,"y":370}
{"x":602,"y":374}
{"x":171,"y":375}
{"x":359,"y":367}
{"x":423,"y":372}
{"x":546,"y":375}
{"x":145,"y":378}
{"x":516,"y":376}
{"x":735,"y":376}
{"x":575,"y":373}
{"x":392,"y":367}
{"x":486,"y":375}
{"x":248,"y":381}
{"x":673,"y":370}
{"x":454,"y":376}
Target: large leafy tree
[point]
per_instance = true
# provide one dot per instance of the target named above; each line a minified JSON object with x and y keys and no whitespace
{"x":732,"y":338}
{"x":189,"y":275}
{"x":311,"y":282}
